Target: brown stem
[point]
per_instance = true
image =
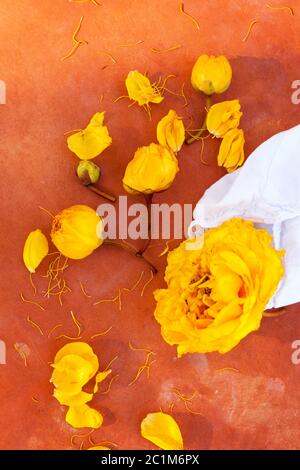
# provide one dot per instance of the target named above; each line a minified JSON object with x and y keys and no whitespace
{"x":131,"y":249}
{"x":110,"y":197}
{"x":203,"y":127}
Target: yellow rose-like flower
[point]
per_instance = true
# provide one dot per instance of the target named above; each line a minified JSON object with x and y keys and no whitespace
{"x":162,"y":429}
{"x":152,"y":169}
{"x":211,"y":74}
{"x":141,"y":90}
{"x":35,"y":249}
{"x":76,"y":231}
{"x":231,"y":153}
{"x":222,"y":117}
{"x":216,"y":295}
{"x":74,"y":366}
{"x":91,"y":141}
{"x":170,"y":131}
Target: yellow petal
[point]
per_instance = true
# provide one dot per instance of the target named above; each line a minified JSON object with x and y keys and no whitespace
{"x":79,"y":348}
{"x":71,"y":370}
{"x":91,"y":141}
{"x":84,"y":417}
{"x":100,"y":377}
{"x":170,"y":131}
{"x":35,"y":249}
{"x":65,"y":398}
{"x":161,"y":429}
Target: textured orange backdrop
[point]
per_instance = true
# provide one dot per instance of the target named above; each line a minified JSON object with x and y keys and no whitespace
{"x":254,"y":406}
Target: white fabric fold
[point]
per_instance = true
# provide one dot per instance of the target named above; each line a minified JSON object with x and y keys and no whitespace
{"x":265,"y":190}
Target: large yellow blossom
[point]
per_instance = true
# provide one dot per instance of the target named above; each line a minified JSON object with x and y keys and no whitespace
{"x":152,"y":169}
{"x":216,"y":295}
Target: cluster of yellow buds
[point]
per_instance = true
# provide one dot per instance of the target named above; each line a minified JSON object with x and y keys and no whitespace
{"x":211,"y":75}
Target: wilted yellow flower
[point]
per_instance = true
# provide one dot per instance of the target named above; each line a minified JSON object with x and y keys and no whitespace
{"x":74,"y":366}
{"x":211,"y":74}
{"x":35,"y":249}
{"x":91,"y":141}
{"x":141,"y":90}
{"x":224,"y":116}
{"x":216,"y":295}
{"x":231,"y":153}
{"x":170,"y":131}
{"x":161,"y":429}
{"x":76,"y":231}
{"x":152,"y":169}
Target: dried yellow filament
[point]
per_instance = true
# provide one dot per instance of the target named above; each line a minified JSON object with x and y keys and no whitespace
{"x":21,"y":353}
{"x":83,"y":290}
{"x":144,"y":366}
{"x":120,"y":98}
{"x":283,"y":7}
{"x":71,"y":132}
{"x":192,"y":411}
{"x":184,"y":397}
{"x":253,"y":22}
{"x":78,"y":325}
{"x":228,"y":368}
{"x":109,"y":385}
{"x":101,"y":98}
{"x":35,"y":325}
{"x":35,"y":400}
{"x":133,"y":348}
{"x":110,"y":363}
{"x":132,"y":44}
{"x":83,"y":436}
{"x":131,"y":289}
{"x":181,"y":10}
{"x":201,"y":151}
{"x":68,"y":337}
{"x":170,"y":49}
{"x":32,"y":284}
{"x":102,"y":443}
{"x":167,"y":248}
{"x":171,"y":407}
{"x":47,"y":212}
{"x":76,"y":42}
{"x":186,"y":103}
{"x":54,"y":328}
{"x":101,"y":334}
{"x":108,"y":54}
{"x":31,"y":302}
{"x":106,"y":300}
{"x":147,"y":283}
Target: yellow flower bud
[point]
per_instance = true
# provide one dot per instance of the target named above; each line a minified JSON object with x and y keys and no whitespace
{"x":170,"y":131}
{"x":91,"y":141}
{"x":88,"y":172}
{"x":141,"y":90}
{"x":211,"y":74}
{"x":76,"y":231}
{"x":231,"y":153}
{"x":152,"y":169}
{"x":222,"y":117}
{"x":35,"y":249}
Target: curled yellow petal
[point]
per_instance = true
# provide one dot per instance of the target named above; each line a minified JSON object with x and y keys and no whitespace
{"x":170,"y":131}
{"x":84,"y":416}
{"x":141,"y":90}
{"x":91,"y":141}
{"x":161,"y":429}
{"x":65,"y":398}
{"x":35,"y":249}
{"x":231,"y":153}
{"x":211,"y":74}
{"x":100,"y":377}
{"x":224,"y":116}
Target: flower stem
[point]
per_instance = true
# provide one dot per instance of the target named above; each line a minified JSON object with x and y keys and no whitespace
{"x":131,"y":249}
{"x":110,"y":197}
{"x":203,"y":127}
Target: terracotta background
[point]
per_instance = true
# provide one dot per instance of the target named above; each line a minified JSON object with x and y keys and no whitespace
{"x":254,"y":407}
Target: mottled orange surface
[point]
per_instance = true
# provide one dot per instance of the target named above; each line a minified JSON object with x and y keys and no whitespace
{"x":255,"y":404}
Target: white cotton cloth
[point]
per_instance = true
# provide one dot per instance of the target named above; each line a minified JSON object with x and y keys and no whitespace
{"x":265,"y":190}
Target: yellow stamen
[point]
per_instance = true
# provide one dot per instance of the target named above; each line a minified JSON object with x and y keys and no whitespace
{"x":109,"y":385}
{"x":228,"y":368}
{"x":283,"y":7}
{"x":32,"y":284}
{"x":101,"y":334}
{"x":83,"y":290}
{"x":170,"y":49}
{"x":35,"y":400}
{"x":132,"y":44}
{"x":47,"y":212}
{"x":21,"y":353}
{"x":147,"y":283}
{"x":53,"y":329}
{"x":253,"y":22}
{"x":31,"y":302}
{"x":108,"y":54}
{"x":110,"y":363}
{"x":192,"y":411}
{"x":184,"y":397}
{"x":68,"y":337}
{"x":76,"y":41}
{"x":35,"y":325}
{"x":181,"y":10}
{"x":106,"y":300}
{"x":76,"y":322}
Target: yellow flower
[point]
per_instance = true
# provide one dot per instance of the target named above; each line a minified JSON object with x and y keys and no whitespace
{"x":76,"y":231}
{"x":74,"y":366}
{"x":152,"y":169}
{"x":216,"y":295}
{"x":35,"y":249}
{"x":211,"y":74}
{"x":141,"y":90}
{"x":161,"y":429}
{"x":170,"y":131}
{"x":222,"y":117}
{"x":231,"y":153}
{"x":91,"y":141}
